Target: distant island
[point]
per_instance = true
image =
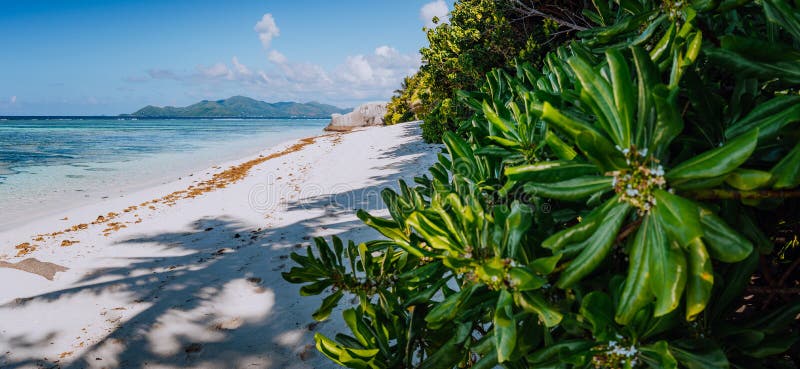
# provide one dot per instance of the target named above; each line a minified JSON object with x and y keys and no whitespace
{"x":240,"y":107}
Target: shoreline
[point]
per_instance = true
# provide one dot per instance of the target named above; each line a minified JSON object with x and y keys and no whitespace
{"x":196,"y":283}
{"x":135,"y":197}
{"x":41,"y":191}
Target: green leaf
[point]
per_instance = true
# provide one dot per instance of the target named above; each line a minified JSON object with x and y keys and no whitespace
{"x":668,"y":122}
{"x":787,"y":172}
{"x":623,"y":94}
{"x":667,"y":267}
{"x":550,"y":171}
{"x":437,"y":237}
{"x":560,"y":148}
{"x":673,"y":210}
{"x":346,"y":356}
{"x":699,"y":354}
{"x":571,"y":190}
{"x":569,"y":125}
{"x":600,"y":150}
{"x":598,"y":310}
{"x":598,"y":246}
{"x":315,"y":288}
{"x":748,"y":179}
{"x":534,"y":302}
{"x":497,"y":122}
{"x":636,"y":292}
{"x":771,"y":346}
{"x":582,"y":230}
{"x":768,"y":117}
{"x":327,"y":306}
{"x":390,"y":229}
{"x":717,"y":162}
{"x":779,"y":12}
{"x":447,"y":310}
{"x":545,"y":265}
{"x":505,"y":327}
{"x":723,"y":242}
{"x":516,"y":225}
{"x":450,"y":353}
{"x":523,"y":279}
{"x":658,"y":356}
{"x":647,"y":76}
{"x":748,"y":64}
{"x":700,"y":280}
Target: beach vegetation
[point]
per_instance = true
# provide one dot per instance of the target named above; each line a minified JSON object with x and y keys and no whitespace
{"x":629,"y":200}
{"x":477,"y":37}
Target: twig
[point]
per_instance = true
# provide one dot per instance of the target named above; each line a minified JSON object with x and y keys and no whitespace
{"x":772,"y":291}
{"x":630,"y":228}
{"x":782,"y":281}
{"x":740,"y":195}
{"x":530,"y":10}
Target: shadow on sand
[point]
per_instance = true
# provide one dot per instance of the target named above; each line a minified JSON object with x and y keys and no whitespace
{"x":212,"y":296}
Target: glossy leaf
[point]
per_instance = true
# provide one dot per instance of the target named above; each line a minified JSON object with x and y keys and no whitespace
{"x":636,"y":292}
{"x":700,"y":279}
{"x":534,"y":303}
{"x":505,"y":324}
{"x":718,"y":161}
{"x":599,"y":245}
{"x":550,"y":171}
{"x":667,"y":267}
{"x":787,"y":172}
{"x":723,"y":243}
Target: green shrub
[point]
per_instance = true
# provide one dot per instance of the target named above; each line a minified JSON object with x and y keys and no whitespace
{"x":617,"y":207}
{"x":480,"y":35}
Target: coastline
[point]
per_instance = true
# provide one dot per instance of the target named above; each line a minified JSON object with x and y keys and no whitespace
{"x":189,"y":275}
{"x":39,"y":191}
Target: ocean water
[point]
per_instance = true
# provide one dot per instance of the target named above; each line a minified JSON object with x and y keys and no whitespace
{"x":49,"y":165}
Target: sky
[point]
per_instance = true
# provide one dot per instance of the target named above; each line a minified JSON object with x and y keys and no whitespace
{"x":107,"y":57}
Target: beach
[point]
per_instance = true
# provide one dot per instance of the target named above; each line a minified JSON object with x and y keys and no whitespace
{"x":187,"y":273}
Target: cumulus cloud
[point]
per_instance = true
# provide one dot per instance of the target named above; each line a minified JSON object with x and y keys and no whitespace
{"x":241,"y":68}
{"x":276,"y":57}
{"x":433,"y":9}
{"x":216,"y":71}
{"x":356,"y":78}
{"x":267,"y":29}
{"x":13,"y":99}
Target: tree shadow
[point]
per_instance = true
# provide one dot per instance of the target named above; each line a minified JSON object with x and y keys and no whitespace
{"x":212,"y":296}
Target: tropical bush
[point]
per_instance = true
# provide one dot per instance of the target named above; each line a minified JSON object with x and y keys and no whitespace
{"x":632,"y":202}
{"x":479,"y":35}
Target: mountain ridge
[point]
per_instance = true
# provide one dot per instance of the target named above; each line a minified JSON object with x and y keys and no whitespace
{"x":240,"y":107}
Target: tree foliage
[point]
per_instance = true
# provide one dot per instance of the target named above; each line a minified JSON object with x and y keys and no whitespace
{"x":480,"y":35}
{"x":630,"y":202}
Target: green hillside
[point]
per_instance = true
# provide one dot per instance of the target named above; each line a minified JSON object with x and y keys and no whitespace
{"x":241,"y":106}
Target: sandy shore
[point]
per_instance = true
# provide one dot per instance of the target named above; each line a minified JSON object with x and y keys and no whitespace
{"x":187,"y":274}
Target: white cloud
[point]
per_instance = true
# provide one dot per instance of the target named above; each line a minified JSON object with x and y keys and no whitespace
{"x":240,"y":68}
{"x":219,"y":70}
{"x":357,"y":69}
{"x":276,"y":57}
{"x":13,"y":99}
{"x":437,"y":9}
{"x":358,"y":78}
{"x":267,"y":29}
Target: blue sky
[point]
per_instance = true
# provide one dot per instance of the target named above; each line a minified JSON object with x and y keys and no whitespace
{"x":82,"y":57}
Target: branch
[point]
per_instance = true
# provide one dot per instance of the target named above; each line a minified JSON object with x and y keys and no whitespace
{"x":630,"y":228}
{"x":773,"y":291}
{"x":531,"y":11}
{"x":741,"y":195}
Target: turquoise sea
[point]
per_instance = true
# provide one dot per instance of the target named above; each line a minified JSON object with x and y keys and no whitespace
{"x":47,"y":165}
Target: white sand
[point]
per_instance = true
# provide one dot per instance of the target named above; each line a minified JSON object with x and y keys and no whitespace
{"x":180,"y":288}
